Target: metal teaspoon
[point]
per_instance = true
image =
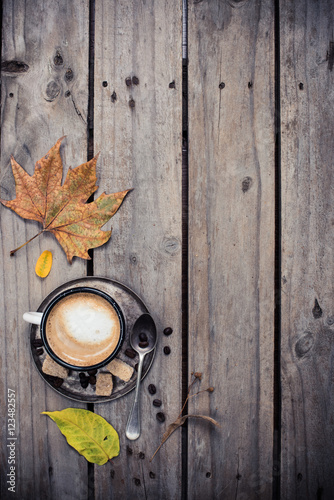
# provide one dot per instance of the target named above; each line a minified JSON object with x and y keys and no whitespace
{"x":144,"y":327}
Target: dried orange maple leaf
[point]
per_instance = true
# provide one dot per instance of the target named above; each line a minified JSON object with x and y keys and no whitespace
{"x":62,"y":209}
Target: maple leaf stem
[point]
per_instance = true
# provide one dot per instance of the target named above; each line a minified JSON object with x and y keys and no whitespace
{"x":16,"y":249}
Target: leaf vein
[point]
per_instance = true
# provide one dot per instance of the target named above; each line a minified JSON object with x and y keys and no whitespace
{"x":86,"y":433}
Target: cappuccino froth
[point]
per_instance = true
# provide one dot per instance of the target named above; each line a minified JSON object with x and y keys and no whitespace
{"x":83,"y":329}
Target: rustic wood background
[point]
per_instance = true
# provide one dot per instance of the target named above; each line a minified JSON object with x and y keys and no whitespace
{"x":227,"y":236}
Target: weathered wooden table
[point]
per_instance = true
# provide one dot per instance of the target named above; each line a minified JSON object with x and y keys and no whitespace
{"x":227,"y":236}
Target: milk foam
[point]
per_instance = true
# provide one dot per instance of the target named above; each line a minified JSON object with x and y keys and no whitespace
{"x":86,"y":325}
{"x":83,"y":329}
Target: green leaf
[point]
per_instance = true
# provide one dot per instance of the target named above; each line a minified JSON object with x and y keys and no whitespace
{"x":91,"y":435}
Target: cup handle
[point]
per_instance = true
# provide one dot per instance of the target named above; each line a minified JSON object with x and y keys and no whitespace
{"x":33,"y":317}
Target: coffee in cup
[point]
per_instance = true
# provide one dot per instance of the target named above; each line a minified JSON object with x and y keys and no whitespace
{"x":81,"y":328}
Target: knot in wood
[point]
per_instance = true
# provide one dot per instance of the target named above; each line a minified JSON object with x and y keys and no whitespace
{"x":52,"y":90}
{"x":14,"y":67}
{"x":237,"y":3}
{"x":133,"y":259}
{"x":58,"y":58}
{"x":316,"y":311}
{"x":69,"y":75}
{"x":171,"y":245}
{"x":330,"y":320}
{"x":246,"y":184}
{"x":304,"y":344}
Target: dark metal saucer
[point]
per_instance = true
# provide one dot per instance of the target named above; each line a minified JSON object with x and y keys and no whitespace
{"x":132,"y":307}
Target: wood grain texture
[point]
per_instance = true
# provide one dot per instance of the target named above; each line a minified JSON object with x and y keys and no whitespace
{"x":307,"y":249}
{"x":138,"y":130}
{"x":49,"y":46}
{"x":231,"y":247}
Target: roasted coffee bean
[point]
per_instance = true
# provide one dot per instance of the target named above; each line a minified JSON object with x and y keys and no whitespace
{"x":39,"y":351}
{"x":141,"y":455}
{"x":92,"y":380}
{"x":168,"y":331}
{"x":167,"y":350}
{"x":161,"y":416}
{"x":92,"y":372}
{"x":84,"y":383}
{"x":136,"y":480}
{"x":143,"y":337}
{"x":58,"y":382}
{"x":130,"y":353}
{"x":143,"y":345}
{"x":152,"y":389}
{"x":37,"y":342}
{"x":82,"y":375}
{"x":152,"y":475}
{"x":157,"y":402}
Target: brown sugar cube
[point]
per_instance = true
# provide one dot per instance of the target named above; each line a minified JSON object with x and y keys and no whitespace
{"x":52,"y":368}
{"x":120,"y":369}
{"x":104,"y":384}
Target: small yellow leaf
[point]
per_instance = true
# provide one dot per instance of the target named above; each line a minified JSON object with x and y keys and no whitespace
{"x":44,"y":264}
{"x":90,"y":434}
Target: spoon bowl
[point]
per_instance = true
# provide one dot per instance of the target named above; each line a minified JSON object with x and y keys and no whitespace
{"x":144,"y":334}
{"x":143,"y":340}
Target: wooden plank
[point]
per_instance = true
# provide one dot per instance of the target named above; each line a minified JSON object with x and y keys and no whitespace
{"x":231,"y":247}
{"x":141,"y":148}
{"x":307,"y":54}
{"x":50,"y":38}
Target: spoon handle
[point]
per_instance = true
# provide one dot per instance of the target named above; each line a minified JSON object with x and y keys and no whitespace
{"x":133,"y":426}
